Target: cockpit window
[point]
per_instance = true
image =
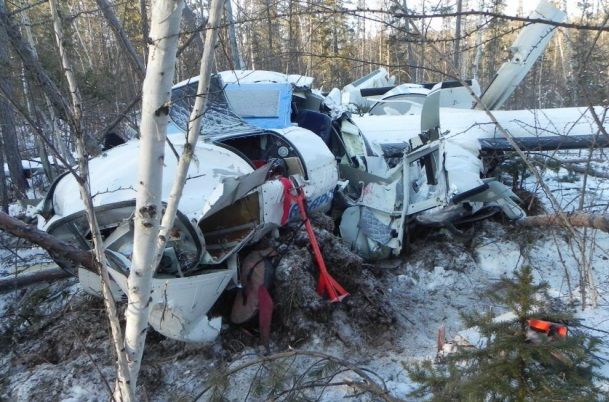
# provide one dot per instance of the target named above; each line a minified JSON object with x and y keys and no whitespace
{"x":218,"y":120}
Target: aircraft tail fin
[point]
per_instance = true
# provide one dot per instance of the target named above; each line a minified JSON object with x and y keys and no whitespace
{"x":527,"y":48}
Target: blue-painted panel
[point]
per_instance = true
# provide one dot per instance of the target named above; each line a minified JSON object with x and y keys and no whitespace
{"x":264,"y":105}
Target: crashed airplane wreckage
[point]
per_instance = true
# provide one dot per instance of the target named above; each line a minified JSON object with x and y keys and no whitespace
{"x":264,"y":132}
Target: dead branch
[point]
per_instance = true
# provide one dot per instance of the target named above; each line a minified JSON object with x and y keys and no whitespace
{"x":571,"y":167}
{"x":122,"y":38}
{"x":57,"y":249}
{"x":23,"y":280}
{"x":595,"y":221}
{"x":124,"y":391}
{"x":368,"y":384}
{"x":94,"y":363}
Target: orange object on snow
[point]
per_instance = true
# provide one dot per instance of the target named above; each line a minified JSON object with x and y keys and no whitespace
{"x":326,"y":283}
{"x":549,"y":328}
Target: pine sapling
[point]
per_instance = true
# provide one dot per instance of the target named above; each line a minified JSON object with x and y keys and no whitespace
{"x":513,"y":362}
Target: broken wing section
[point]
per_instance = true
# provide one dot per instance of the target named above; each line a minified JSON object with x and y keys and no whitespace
{"x":534,"y":130}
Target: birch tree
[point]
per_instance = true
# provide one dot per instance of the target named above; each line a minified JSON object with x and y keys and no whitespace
{"x":123,"y":390}
{"x":150,"y":233}
{"x":164,"y":31}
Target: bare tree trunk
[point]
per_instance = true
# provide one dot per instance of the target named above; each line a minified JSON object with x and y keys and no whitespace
{"x":194,"y":127}
{"x":237,"y":62}
{"x":66,"y":253}
{"x":42,"y":152}
{"x":190,"y":22}
{"x":3,"y":189}
{"x":457,"y":51}
{"x":51,"y":122}
{"x":83,"y":44}
{"x":165,"y":27}
{"x":270,"y":60}
{"x":310,"y":39}
{"x":23,"y":280}
{"x":33,"y":66}
{"x":124,"y":390}
{"x":572,"y":167}
{"x":121,"y":36}
{"x":477,"y":54}
{"x":145,"y":28}
{"x":7,"y":122}
{"x":11,"y":147}
{"x":412,"y":71}
{"x":31,"y":63}
{"x":291,"y":42}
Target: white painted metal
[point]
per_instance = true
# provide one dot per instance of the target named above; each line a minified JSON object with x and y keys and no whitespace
{"x":178,"y":306}
{"x":319,"y":163}
{"x":114,"y":173}
{"x":256,"y":76}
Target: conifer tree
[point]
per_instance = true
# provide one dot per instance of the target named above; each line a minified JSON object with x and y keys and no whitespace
{"x":514,"y":363}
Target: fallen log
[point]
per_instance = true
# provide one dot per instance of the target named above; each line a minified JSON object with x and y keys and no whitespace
{"x":595,"y":221}
{"x":65,"y":254}
{"x":572,"y":167}
{"x":23,"y":280}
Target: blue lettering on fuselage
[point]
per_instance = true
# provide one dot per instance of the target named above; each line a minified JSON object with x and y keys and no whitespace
{"x":315,"y":204}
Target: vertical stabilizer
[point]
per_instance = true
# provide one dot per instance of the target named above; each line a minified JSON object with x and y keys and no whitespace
{"x":527,"y":48}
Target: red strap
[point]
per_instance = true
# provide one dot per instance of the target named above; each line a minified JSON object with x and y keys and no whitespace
{"x":258,"y":163}
{"x":287,"y":199}
{"x":326,"y":283}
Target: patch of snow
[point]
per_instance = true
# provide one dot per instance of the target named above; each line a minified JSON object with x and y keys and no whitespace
{"x":499,"y":257}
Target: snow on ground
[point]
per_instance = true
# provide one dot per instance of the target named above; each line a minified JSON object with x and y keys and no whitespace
{"x":42,"y":352}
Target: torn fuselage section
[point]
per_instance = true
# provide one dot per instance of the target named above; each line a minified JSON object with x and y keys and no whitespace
{"x":188,"y":269}
{"x":409,"y":172}
{"x":179,"y":306}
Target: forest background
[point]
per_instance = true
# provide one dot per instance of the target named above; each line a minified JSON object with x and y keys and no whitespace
{"x":334,"y":41}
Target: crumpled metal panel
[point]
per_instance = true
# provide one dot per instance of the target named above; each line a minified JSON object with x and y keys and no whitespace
{"x":179,"y":306}
{"x":373,"y":228}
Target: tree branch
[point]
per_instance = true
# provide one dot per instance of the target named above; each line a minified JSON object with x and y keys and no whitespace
{"x":57,"y":249}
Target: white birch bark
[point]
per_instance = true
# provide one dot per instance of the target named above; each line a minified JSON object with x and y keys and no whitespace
{"x":123,"y":390}
{"x":165,"y":24}
{"x":194,"y":126}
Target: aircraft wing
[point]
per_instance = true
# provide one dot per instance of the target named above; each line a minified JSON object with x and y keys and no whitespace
{"x":538,"y":129}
